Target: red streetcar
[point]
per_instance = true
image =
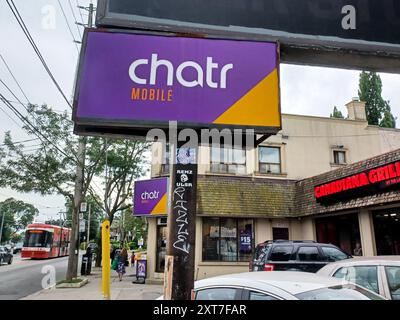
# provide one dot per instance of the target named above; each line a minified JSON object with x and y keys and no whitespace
{"x":44,"y":241}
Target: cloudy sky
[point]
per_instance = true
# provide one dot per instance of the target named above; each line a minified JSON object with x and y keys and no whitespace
{"x":305,"y":90}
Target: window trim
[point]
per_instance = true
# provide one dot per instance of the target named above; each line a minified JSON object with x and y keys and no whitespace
{"x":270,"y":163}
{"x":345,"y":151}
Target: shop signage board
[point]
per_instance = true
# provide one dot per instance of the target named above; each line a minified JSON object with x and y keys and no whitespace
{"x":142,"y":81}
{"x":245,"y":241}
{"x":151,"y":197}
{"x":305,"y":28}
{"x":375,"y":180}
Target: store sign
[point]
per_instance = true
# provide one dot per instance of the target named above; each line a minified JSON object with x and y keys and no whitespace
{"x":145,"y":81}
{"x":150,"y":197}
{"x":365,"y":183}
{"x":245,"y":241}
{"x":368,"y":26}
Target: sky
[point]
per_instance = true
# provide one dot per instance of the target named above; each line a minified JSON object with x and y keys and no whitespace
{"x":304,"y":90}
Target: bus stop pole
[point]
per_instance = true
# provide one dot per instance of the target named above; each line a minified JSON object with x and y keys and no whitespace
{"x":105,"y":254}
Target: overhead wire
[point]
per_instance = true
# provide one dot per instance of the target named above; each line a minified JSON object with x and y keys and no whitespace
{"x":76,"y":21}
{"x":12,"y":75}
{"x":69,"y":28}
{"x":25,"y":30}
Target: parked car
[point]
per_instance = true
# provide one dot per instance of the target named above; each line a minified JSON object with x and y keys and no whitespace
{"x":17,"y":248}
{"x":279,"y":285}
{"x":379,"y":274}
{"x":285,"y":255}
{"x":5,"y":255}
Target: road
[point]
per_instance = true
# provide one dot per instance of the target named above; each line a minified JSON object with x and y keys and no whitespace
{"x":24,"y":276}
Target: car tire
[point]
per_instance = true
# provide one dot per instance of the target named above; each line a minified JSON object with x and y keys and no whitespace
{"x":10,"y":261}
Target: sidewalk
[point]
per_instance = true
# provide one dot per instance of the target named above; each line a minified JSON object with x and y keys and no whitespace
{"x":120,"y":290}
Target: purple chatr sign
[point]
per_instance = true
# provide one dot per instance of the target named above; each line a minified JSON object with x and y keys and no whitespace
{"x":134,"y":80}
{"x":150,"y":197}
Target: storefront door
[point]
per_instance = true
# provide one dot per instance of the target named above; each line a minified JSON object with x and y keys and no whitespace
{"x":161,"y":247}
{"x":342,"y":231}
{"x":387,"y":232}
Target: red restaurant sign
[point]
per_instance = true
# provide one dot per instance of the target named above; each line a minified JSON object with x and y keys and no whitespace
{"x":360,"y":184}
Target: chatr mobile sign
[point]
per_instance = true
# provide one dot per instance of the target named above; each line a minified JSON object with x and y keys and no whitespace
{"x":145,"y":81}
{"x":150,"y":197}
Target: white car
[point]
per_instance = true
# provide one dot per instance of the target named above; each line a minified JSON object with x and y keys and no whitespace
{"x":380,"y":274}
{"x":279,"y":285}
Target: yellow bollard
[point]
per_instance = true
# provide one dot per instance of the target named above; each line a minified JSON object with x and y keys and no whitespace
{"x":105,"y":254}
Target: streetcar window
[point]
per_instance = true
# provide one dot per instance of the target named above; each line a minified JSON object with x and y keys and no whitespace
{"x":38,"y":239}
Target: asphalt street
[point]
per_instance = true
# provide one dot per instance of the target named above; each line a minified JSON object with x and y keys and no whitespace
{"x":24,"y":276}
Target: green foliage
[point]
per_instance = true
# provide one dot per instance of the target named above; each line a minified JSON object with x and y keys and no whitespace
{"x":388,"y":121}
{"x":337,"y":113}
{"x":48,"y":170}
{"x":377,"y":109}
{"x":17,"y":216}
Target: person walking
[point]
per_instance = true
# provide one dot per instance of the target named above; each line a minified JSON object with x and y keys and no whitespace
{"x":122,"y":259}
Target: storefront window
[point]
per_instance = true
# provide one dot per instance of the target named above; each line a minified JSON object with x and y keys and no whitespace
{"x":227,"y":239}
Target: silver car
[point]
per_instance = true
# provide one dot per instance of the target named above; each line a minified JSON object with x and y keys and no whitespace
{"x":379,"y":274}
{"x":279,"y":285}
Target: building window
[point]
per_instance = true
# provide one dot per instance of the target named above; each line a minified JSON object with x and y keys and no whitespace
{"x":228,"y":160}
{"x":269,"y":159}
{"x":165,"y":160}
{"x":339,"y":157}
{"x":227,"y":239}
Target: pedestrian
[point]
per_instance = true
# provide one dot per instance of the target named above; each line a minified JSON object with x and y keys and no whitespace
{"x":133,"y":259}
{"x":112,"y":254}
{"x":122,"y":259}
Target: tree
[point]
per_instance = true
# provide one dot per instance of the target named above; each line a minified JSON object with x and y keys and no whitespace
{"x":17,"y":216}
{"x":124,"y":164}
{"x":50,"y":168}
{"x":370,"y":91}
{"x":95,"y":216}
{"x":337,"y":113}
{"x":388,"y":121}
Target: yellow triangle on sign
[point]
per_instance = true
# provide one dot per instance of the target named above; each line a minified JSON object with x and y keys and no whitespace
{"x":258,"y":107}
{"x":161,"y":206}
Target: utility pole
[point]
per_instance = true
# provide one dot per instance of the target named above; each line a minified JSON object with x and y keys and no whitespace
{"x":88,"y":228}
{"x":180,"y":255}
{"x":72,"y":271}
{"x":2,"y":224}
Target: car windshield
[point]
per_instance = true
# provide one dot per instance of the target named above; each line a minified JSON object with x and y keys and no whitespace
{"x":341,"y":292}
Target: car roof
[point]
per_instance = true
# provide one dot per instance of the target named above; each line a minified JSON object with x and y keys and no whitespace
{"x":361,"y":261}
{"x":292,"y":282}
